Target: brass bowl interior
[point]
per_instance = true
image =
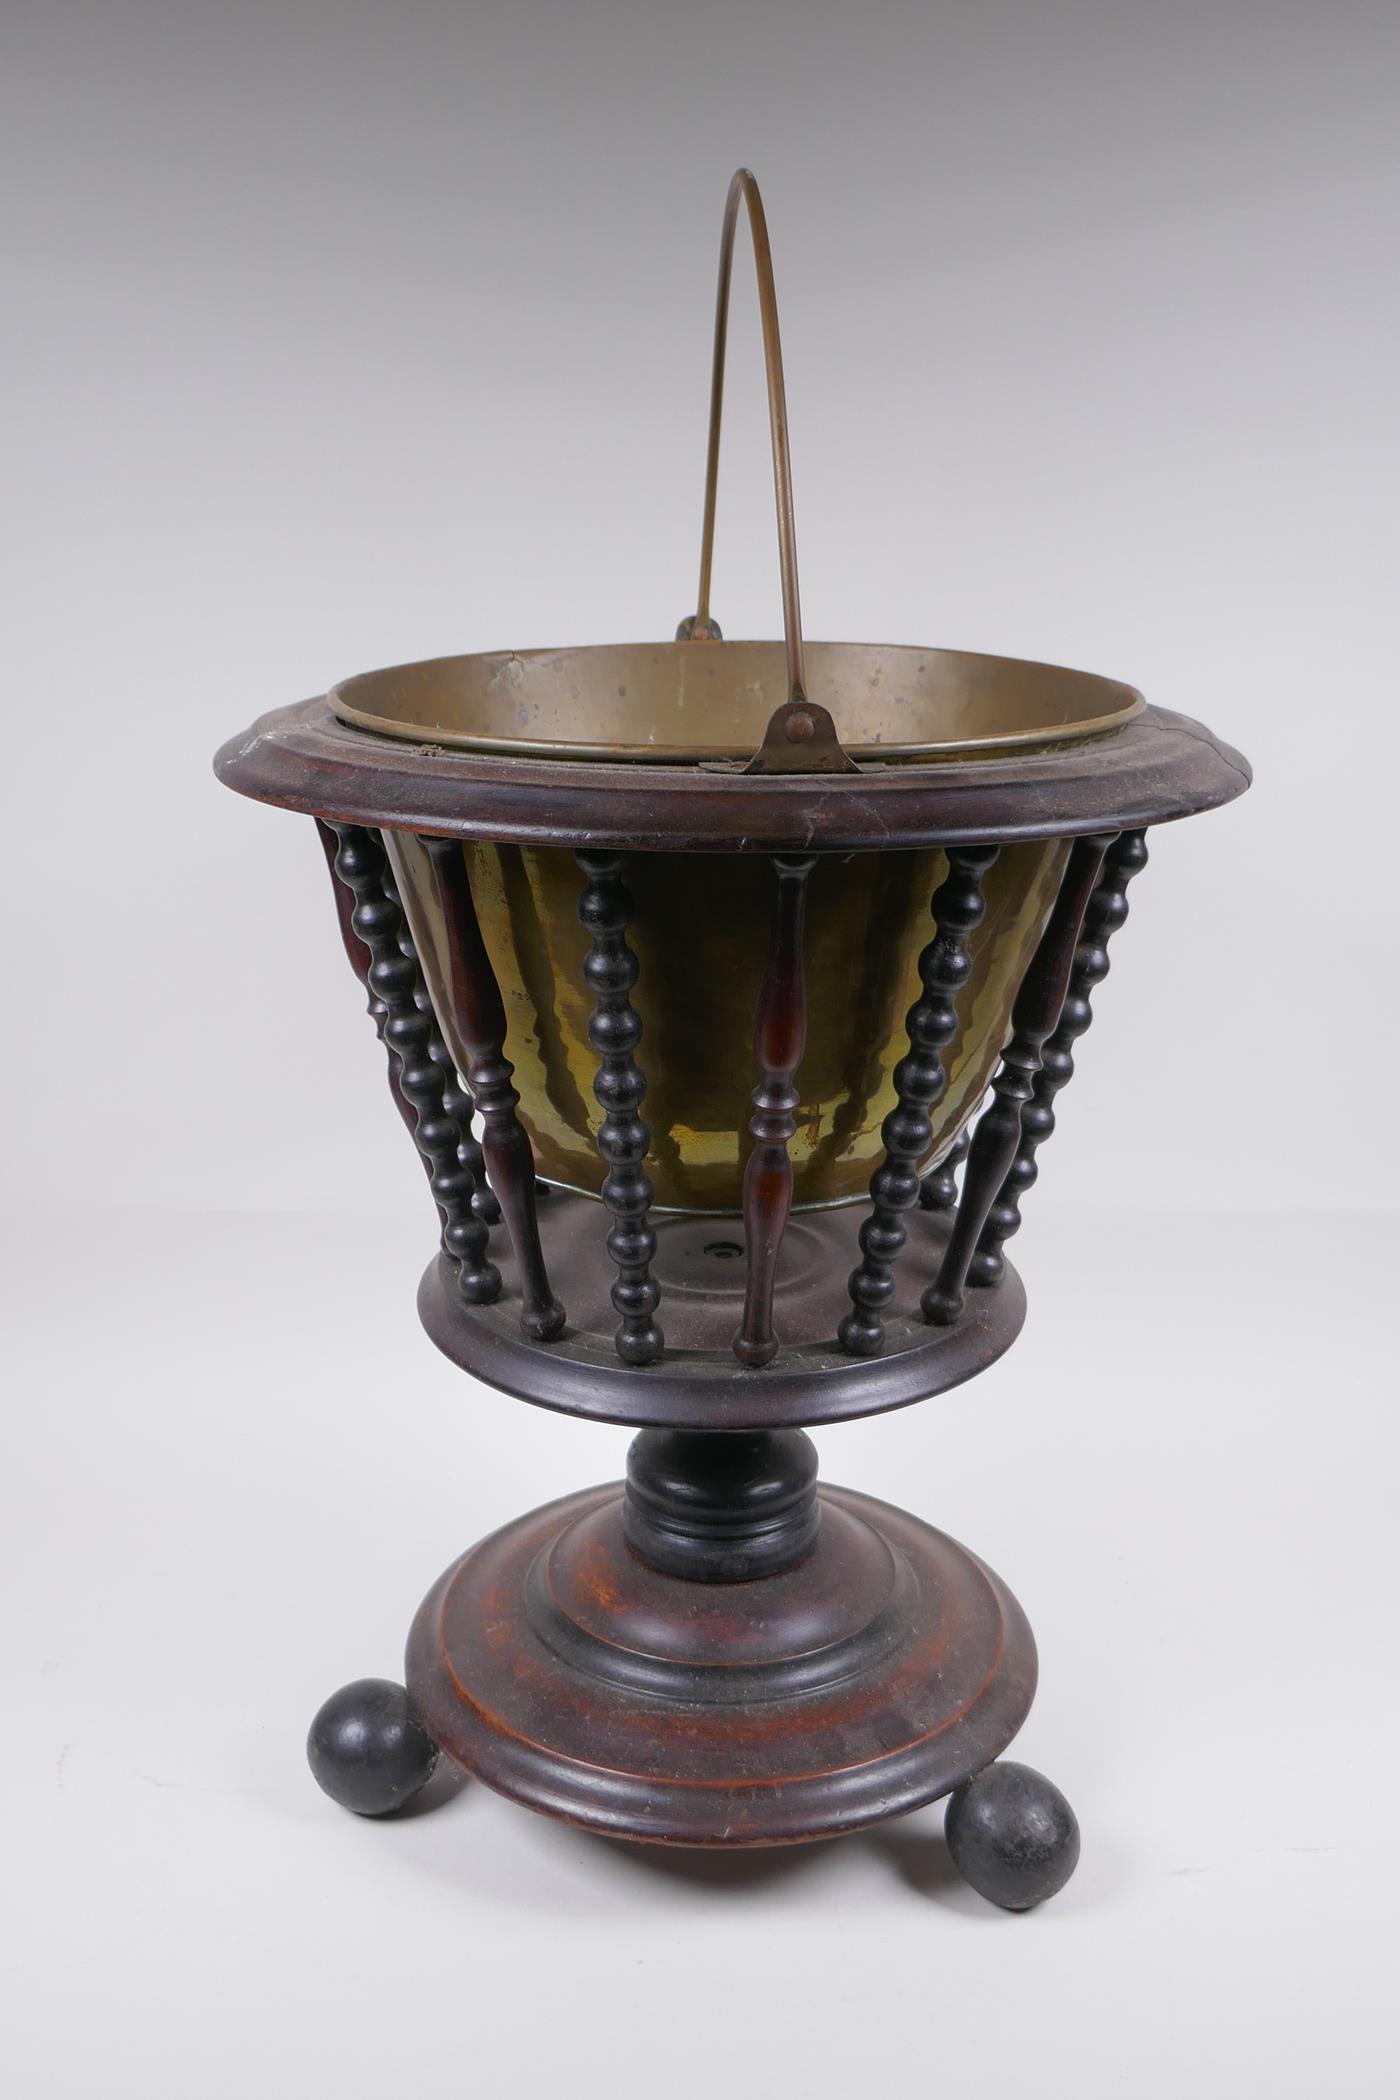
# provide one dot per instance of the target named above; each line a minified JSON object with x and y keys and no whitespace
{"x":687,"y":702}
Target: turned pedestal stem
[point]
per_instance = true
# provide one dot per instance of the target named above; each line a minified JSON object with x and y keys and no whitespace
{"x":717,"y":1507}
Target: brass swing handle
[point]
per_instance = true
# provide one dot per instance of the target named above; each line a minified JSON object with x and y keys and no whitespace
{"x":801,"y":735}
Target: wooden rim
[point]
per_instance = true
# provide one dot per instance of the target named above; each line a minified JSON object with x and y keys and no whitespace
{"x":1158,"y":767}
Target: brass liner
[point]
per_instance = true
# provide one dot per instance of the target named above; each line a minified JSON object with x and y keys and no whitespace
{"x":700,"y":935}
{"x":692,"y":702}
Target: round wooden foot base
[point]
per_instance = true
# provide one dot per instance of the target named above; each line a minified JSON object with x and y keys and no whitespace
{"x":884,"y":1669}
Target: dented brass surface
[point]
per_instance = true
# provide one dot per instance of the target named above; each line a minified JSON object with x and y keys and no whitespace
{"x":687,"y":702}
{"x":700,"y":934}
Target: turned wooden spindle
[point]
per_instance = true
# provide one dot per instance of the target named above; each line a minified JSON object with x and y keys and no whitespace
{"x":360,"y":960}
{"x":919,"y":1080}
{"x":998,"y":1132}
{"x":479,"y":1017}
{"x":458,"y":1101}
{"x":1107,"y":909}
{"x":614,"y":1030}
{"x":779,"y":1039}
{"x":377,"y":933}
{"x":939,"y":1190}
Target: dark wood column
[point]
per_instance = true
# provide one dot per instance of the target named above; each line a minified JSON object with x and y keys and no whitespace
{"x":480,"y":1019}
{"x":1035,"y":1014}
{"x":780,"y":1037}
{"x":380,"y":949}
{"x":615,"y":1030}
{"x":1108,"y":908}
{"x":919,"y":1080}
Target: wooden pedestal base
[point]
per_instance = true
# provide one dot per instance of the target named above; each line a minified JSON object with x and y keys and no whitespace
{"x":882,"y":1670}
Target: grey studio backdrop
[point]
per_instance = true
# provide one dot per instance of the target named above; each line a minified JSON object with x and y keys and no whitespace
{"x":342,"y":334}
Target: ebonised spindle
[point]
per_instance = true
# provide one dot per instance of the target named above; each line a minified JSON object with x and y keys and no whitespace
{"x":456,"y":1099}
{"x":394,"y":984}
{"x":780,"y":1036}
{"x":479,"y":1015}
{"x":459,"y":1103}
{"x":1107,"y":909}
{"x":615,"y":1030}
{"x":998,"y":1132}
{"x":360,"y":960}
{"x":939,"y":1190}
{"x":919,"y":1079}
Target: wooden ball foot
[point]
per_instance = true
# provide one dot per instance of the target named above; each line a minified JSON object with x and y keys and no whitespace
{"x":1013,"y":1836}
{"x":368,"y":1749}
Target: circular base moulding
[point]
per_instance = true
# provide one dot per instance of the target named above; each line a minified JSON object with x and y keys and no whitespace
{"x":698,"y":1383}
{"x":879,"y":1673}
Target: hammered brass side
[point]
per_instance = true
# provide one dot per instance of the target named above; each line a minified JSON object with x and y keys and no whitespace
{"x":700,"y":934}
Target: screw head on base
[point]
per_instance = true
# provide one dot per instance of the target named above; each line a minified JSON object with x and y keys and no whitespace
{"x":1012,"y":1835}
{"x":368,"y":1749}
